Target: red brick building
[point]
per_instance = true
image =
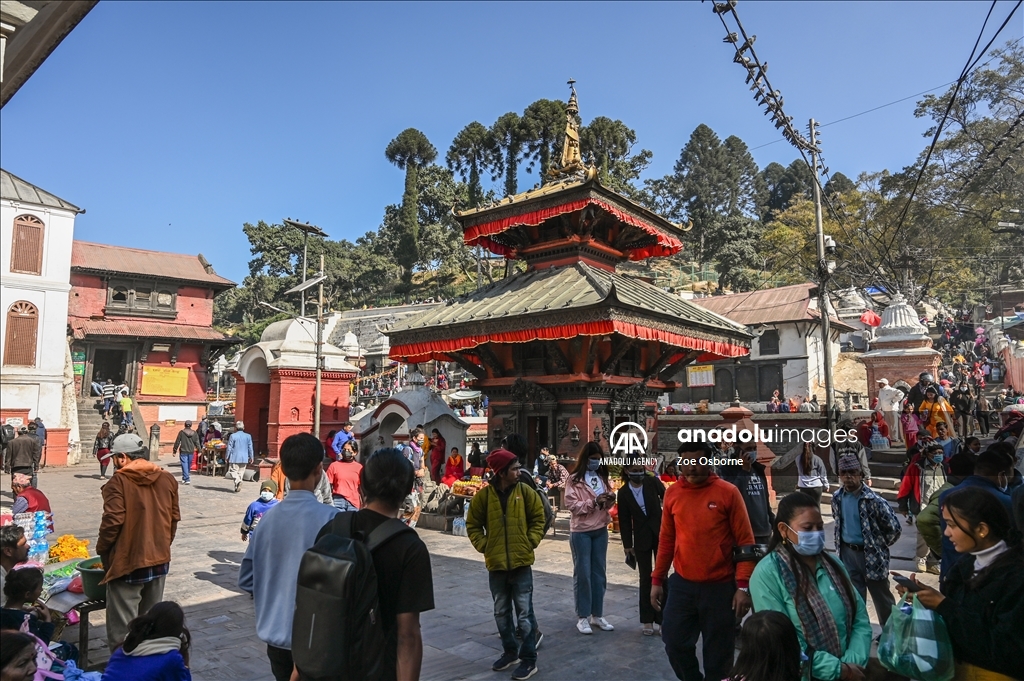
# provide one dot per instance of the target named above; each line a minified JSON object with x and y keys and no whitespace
{"x":146,"y":318}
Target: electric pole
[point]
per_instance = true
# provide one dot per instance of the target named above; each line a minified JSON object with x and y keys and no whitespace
{"x":823,"y":277}
{"x":319,"y":351}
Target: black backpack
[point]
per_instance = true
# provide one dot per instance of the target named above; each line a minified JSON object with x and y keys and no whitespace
{"x":7,"y":434}
{"x":337,"y":633}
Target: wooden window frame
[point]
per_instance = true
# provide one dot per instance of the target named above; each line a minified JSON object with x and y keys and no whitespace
{"x":31,"y":222}
{"x":10,"y":348}
{"x":770,"y":351}
{"x":133,"y":308}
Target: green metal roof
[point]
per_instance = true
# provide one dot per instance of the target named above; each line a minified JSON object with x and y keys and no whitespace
{"x":548,"y":292}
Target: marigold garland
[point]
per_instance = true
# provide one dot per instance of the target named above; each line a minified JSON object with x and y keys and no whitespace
{"x":68,"y":547}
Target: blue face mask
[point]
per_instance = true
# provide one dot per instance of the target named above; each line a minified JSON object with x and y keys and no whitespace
{"x":809,"y":543}
{"x":937,"y":458}
{"x":593,"y":464}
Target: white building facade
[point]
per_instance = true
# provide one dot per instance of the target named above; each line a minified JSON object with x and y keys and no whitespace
{"x":36,"y":232}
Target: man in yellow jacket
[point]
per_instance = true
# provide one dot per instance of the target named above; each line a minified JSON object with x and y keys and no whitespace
{"x":506,"y":523}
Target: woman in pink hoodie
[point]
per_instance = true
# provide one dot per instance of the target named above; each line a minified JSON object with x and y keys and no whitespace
{"x":589,"y":497}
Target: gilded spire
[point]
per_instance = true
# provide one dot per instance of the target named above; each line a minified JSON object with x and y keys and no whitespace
{"x":572,"y":161}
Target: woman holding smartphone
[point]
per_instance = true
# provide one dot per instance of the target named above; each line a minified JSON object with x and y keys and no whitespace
{"x":589,"y":497}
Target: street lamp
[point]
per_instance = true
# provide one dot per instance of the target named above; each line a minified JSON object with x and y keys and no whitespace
{"x":306,"y":230}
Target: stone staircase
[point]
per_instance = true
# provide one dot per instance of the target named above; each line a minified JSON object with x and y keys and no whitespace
{"x":90,"y":420}
{"x":886,"y":465}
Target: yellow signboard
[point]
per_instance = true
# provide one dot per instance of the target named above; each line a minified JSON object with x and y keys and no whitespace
{"x":169,"y":381}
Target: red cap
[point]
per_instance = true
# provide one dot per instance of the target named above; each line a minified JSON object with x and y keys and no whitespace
{"x":499,"y":459}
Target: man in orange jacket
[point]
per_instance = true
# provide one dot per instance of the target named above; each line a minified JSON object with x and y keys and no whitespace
{"x":704,"y":519}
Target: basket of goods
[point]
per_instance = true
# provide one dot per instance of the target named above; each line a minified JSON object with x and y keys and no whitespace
{"x":468,"y":488}
{"x":92,"y":572}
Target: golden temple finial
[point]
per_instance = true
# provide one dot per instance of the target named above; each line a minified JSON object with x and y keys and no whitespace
{"x":572,"y":161}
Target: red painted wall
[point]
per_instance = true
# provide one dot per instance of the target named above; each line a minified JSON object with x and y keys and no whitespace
{"x":89,"y":298}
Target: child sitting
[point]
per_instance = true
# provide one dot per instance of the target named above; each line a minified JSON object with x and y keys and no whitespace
{"x":155,"y":649}
{"x":22,"y":590}
{"x":267,"y":500}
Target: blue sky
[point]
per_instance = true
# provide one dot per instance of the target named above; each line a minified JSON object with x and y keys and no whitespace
{"x":174,"y":123}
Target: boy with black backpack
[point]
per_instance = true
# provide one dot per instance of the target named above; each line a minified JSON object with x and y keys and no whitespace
{"x":363,"y":585}
{"x":271,"y":563}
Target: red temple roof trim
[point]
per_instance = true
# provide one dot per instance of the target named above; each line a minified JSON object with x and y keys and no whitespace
{"x":421,"y":352}
{"x":479,"y":234}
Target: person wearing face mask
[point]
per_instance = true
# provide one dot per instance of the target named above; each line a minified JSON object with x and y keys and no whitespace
{"x":799,"y":579}
{"x":964,"y":403}
{"x":639,"y":503}
{"x":865,"y":528}
{"x":266,"y":501}
{"x":704,"y":522}
{"x":750,"y":480}
{"x":343,"y":476}
{"x":589,"y":496}
{"x":923,"y":479}
{"x":992,"y":473}
{"x":982,"y":597}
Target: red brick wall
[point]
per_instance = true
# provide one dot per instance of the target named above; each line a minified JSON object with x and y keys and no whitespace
{"x":89,"y":298}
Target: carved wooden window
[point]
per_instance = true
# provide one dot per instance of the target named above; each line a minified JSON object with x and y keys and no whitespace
{"x":22,"y":331}
{"x":27,"y":246}
{"x":146,"y":298}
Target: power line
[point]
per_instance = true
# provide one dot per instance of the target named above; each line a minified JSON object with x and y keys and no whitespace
{"x":952,"y":99}
{"x":882,"y":106}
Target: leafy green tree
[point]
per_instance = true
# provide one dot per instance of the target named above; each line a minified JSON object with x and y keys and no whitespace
{"x":839,"y":184}
{"x":474,"y":150}
{"x":410,"y":151}
{"x":510,"y":134}
{"x":610,"y":143}
{"x":544,"y":127}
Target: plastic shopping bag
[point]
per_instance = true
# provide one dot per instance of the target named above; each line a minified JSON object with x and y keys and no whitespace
{"x":915,"y":643}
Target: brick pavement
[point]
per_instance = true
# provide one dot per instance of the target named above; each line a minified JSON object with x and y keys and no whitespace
{"x":460,"y":640}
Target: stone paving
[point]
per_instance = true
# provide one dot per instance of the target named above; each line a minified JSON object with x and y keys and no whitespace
{"x":460,"y":639}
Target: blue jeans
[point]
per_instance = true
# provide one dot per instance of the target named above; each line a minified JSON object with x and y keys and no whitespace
{"x":343,"y":504}
{"x":108,"y":405}
{"x":186,"y":466}
{"x":515,"y":588}
{"x":589,"y":555}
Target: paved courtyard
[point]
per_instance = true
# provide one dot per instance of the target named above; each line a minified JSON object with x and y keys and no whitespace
{"x":460,"y":640}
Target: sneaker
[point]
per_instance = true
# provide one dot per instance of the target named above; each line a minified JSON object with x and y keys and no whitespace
{"x":238,"y":485}
{"x":540,"y":639}
{"x":933,"y":569}
{"x":505,"y":661}
{"x":584,"y":626}
{"x":648,"y":630}
{"x":602,"y":623}
{"x":922,"y":565}
{"x":524,"y":671}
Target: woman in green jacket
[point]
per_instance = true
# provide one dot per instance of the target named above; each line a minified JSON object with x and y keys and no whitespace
{"x":800,"y":580}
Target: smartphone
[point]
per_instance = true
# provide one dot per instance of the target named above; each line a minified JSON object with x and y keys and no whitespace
{"x":907,"y":583}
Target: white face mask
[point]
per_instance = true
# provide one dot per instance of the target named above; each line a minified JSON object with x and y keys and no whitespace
{"x":266,"y":495}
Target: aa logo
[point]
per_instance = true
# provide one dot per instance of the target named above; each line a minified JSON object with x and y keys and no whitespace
{"x":629,"y":439}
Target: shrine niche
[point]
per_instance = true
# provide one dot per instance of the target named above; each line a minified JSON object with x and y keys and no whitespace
{"x":570,"y":347}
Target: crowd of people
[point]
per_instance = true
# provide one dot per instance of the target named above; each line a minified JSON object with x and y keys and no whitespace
{"x":708,"y":548}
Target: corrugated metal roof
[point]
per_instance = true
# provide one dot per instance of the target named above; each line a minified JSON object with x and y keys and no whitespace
{"x":108,"y":327}
{"x":14,"y":188}
{"x":567,"y":288}
{"x":769,"y":306}
{"x":136,"y":261}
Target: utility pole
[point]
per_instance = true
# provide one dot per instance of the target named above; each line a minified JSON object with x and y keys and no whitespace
{"x":306,"y":230}
{"x":319,"y":350}
{"x":823,"y":277}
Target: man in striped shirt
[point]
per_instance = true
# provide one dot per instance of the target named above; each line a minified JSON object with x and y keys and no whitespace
{"x":109,"y":391}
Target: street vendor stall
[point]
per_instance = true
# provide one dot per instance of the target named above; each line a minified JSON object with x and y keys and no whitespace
{"x":211,"y":458}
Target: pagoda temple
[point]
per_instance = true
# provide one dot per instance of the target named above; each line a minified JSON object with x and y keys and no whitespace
{"x":570,"y":347}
